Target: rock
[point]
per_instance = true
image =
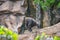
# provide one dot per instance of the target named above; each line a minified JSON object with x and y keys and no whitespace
{"x":50,"y":30}
{"x":58,"y":34}
{"x":21,"y":19}
{"x":11,"y":21}
{"x":4,"y":0}
{"x":1,"y":2}
{"x":9,"y":0}
{"x":2,"y":19}
{"x":23,"y":37}
{"x":27,"y":36}
{"x":14,"y":0}
{"x":15,"y":22}
{"x":19,"y":8}
{"x":7,"y":6}
{"x":32,"y":36}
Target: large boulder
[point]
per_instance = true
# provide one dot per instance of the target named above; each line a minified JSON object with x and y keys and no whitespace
{"x":4,"y":0}
{"x":27,"y":37}
{"x":6,"y":6}
{"x":11,"y":21}
{"x":12,"y":14}
{"x":19,"y":7}
{"x":15,"y":7}
{"x":14,"y":22}
{"x":50,"y":30}
{"x":9,"y":0}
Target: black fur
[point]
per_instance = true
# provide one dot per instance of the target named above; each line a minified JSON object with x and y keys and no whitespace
{"x":28,"y":24}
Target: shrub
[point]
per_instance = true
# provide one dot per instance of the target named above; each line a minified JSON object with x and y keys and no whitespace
{"x":7,"y":34}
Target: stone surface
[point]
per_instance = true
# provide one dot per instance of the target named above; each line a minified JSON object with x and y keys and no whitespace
{"x":58,"y":33}
{"x":7,"y":6}
{"x":9,"y":10}
{"x":11,"y":21}
{"x":4,"y":0}
{"x":26,"y":36}
{"x":19,"y":8}
{"x":52,"y":31}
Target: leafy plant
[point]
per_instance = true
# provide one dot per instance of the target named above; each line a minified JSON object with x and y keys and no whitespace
{"x":8,"y":34}
{"x":46,"y":4}
{"x":43,"y":35}
{"x":37,"y":37}
{"x":56,"y":38}
{"x":58,"y":5}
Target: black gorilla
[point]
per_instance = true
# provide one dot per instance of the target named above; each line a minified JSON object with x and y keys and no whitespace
{"x":28,"y":24}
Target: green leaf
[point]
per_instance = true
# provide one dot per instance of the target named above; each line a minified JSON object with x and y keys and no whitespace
{"x":37,"y":37}
{"x":15,"y":36}
{"x":9,"y":32}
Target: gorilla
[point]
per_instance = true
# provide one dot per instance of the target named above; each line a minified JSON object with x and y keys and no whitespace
{"x":28,"y":24}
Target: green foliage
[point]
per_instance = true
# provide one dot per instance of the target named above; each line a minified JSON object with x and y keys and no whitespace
{"x":36,"y":1}
{"x":9,"y":34}
{"x":46,"y":4}
{"x":58,"y":5}
{"x":56,"y":38}
{"x":37,"y":37}
{"x":43,"y":35}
